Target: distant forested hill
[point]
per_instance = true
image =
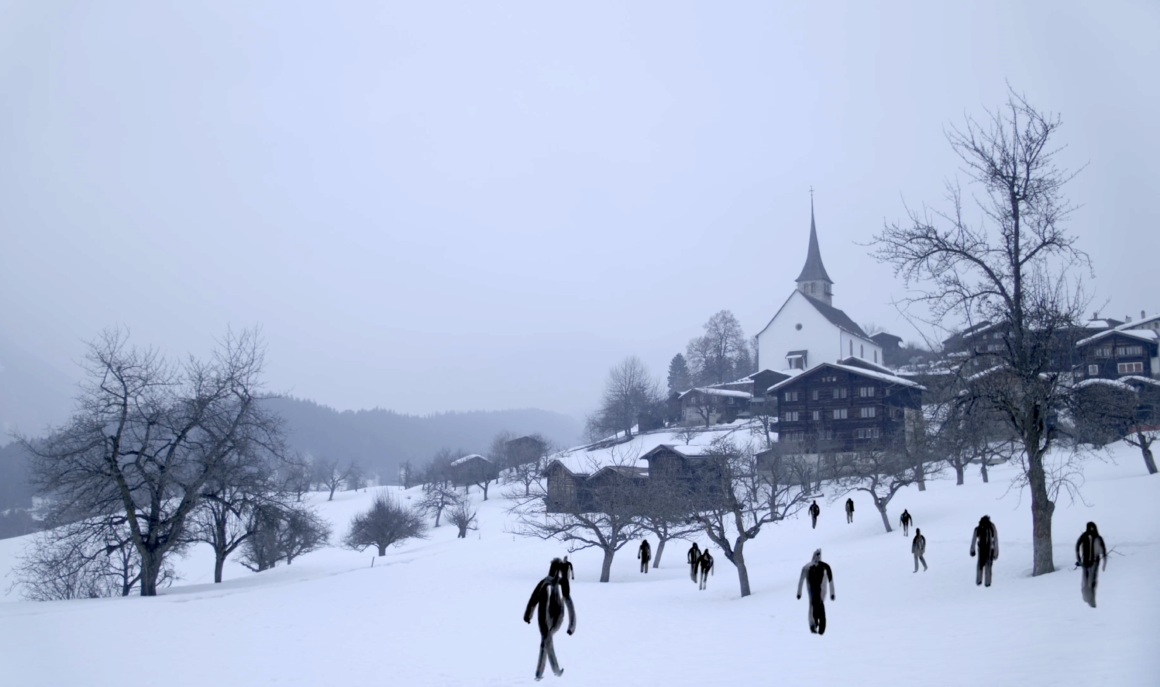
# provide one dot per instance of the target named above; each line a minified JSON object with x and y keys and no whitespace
{"x":381,"y":439}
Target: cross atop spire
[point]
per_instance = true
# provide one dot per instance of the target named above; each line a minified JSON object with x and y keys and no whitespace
{"x":814,"y":281}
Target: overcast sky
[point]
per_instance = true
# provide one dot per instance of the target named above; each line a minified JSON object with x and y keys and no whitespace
{"x":429,"y":206}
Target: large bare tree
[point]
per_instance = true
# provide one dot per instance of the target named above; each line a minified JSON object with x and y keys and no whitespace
{"x":629,"y":392}
{"x":755,"y":492}
{"x":1014,"y":265}
{"x":607,"y":524}
{"x":721,"y":354}
{"x":149,"y":437}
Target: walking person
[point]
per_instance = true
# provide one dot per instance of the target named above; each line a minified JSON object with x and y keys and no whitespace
{"x":705,"y":565}
{"x":1089,"y":551}
{"x":815,"y":511}
{"x":815,"y":574}
{"x":918,"y":548}
{"x":644,"y":554}
{"x":905,"y":521}
{"x":849,"y":511}
{"x":693,"y":558}
{"x":987,"y":538}
{"x":552,"y":596}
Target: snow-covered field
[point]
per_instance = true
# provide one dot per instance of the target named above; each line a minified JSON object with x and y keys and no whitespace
{"x":445,"y":611}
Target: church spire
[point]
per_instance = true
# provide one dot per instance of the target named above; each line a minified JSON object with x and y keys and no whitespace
{"x":813,"y":281}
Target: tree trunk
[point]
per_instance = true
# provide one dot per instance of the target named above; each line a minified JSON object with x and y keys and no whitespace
{"x":332,"y":488}
{"x":882,"y":511}
{"x":920,"y":476}
{"x":983,"y":470}
{"x":485,"y":491}
{"x":660,"y":550}
{"x":958,"y":475}
{"x":150,"y":571}
{"x":437,"y":514}
{"x":219,"y":562}
{"x":742,"y":571}
{"x":1146,"y":448}
{"x":606,"y":566}
{"x":1041,"y":511}
{"x":382,"y":550}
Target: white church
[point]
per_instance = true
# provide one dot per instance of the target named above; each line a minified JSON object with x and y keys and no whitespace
{"x":808,"y":330}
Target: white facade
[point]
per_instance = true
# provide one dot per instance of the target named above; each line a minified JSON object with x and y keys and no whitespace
{"x":799,"y":326}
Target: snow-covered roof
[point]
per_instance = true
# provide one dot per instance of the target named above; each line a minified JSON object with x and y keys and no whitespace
{"x":585,"y":460}
{"x":1096,"y":381}
{"x":465,"y":459}
{"x":723,"y":392}
{"x":1137,"y":323}
{"x":1139,"y":379}
{"x":1149,"y":335}
{"x":872,"y":374}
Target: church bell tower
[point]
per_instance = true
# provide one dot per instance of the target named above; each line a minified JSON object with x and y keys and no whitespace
{"x":813,"y":281}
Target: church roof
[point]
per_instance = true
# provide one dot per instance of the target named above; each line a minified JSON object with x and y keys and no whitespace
{"x":835,"y":316}
{"x":814,"y":270}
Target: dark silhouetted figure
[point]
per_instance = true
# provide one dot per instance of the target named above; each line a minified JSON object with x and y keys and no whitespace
{"x":705,"y":563}
{"x":918,"y":548}
{"x":814,"y":513}
{"x":644,"y":554}
{"x":849,"y":511}
{"x":905,"y":521}
{"x":569,"y":573}
{"x":1089,"y":551}
{"x":693,"y":559}
{"x":987,"y":538}
{"x":815,"y":575}
{"x":552,"y":595}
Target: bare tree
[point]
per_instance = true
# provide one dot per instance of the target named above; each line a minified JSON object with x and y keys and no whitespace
{"x":330,"y":475}
{"x":666,"y":512}
{"x":149,"y":436}
{"x":436,"y":499}
{"x":463,"y":517}
{"x":883,"y":470}
{"x":1014,"y":268}
{"x":386,"y":524}
{"x":721,"y":353}
{"x":82,"y":560}
{"x":407,"y":474}
{"x":629,"y":392}
{"x":523,"y":461}
{"x":281,"y":533}
{"x":608,"y":524}
{"x":753,"y":493}
{"x":1111,"y":410}
{"x":355,"y":477}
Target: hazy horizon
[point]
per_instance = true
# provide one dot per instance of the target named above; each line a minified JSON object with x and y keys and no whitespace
{"x":431,"y":209}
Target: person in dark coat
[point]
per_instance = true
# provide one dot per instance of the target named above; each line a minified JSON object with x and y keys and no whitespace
{"x":693,"y":558}
{"x":644,"y":554}
{"x":987,"y":538}
{"x":552,"y":596}
{"x":705,"y":567}
{"x":918,"y":548}
{"x":1089,"y":551}
{"x":815,"y":575}
{"x":849,"y":511}
{"x":814,"y":511}
{"x":905,"y":521}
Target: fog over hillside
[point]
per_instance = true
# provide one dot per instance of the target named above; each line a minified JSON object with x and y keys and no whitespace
{"x":381,"y":439}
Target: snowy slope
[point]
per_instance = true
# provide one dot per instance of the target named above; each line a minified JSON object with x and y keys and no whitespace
{"x":448,"y":612}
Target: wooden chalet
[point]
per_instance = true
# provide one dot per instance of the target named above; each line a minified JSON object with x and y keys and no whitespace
{"x":724,"y":403}
{"x":852,"y":405}
{"x":524,"y":450}
{"x":473,"y":469}
{"x":1118,"y":353}
{"x":613,"y":488}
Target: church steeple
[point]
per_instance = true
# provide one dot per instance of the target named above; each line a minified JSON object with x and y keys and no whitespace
{"x":813,"y":281}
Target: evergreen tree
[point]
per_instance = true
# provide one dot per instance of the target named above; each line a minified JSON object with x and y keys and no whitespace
{"x":679,"y":374}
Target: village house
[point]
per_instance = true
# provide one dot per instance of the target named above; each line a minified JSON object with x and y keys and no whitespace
{"x":849,"y":406}
{"x":473,"y":469}
{"x":1117,"y":353}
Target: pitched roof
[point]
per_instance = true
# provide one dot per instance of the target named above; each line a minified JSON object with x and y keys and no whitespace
{"x":466,"y":459}
{"x":836,"y":317}
{"x":1149,"y":335}
{"x":865,"y":372}
{"x":814,"y":269}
